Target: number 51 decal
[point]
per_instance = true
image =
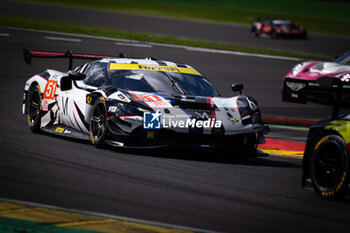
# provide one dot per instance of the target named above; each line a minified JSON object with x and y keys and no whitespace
{"x":50,"y":90}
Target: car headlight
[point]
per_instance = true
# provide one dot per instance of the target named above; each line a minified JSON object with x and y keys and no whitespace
{"x":296,"y":69}
{"x":256,"y":118}
{"x":249,"y":110}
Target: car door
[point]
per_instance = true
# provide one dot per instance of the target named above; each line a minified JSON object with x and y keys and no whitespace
{"x":72,"y":102}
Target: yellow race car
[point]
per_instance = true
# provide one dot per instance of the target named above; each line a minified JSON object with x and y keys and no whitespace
{"x":326,"y":156}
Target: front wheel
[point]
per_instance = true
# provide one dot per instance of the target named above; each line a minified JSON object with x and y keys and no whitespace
{"x":254,"y":32}
{"x":250,"y":143}
{"x":34,"y":109}
{"x":274,"y":34}
{"x":329,"y":167}
{"x":98,"y":123}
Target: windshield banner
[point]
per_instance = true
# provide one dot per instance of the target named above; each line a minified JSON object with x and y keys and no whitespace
{"x":184,"y":70}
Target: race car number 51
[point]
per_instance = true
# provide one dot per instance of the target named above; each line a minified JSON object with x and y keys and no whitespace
{"x":50,"y":89}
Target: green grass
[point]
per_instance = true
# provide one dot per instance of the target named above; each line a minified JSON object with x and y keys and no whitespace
{"x":112,"y":33}
{"x":317,"y":16}
{"x":316,"y":8}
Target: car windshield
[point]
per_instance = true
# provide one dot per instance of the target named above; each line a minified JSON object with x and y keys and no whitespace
{"x":162,"y":82}
{"x":343,"y":59}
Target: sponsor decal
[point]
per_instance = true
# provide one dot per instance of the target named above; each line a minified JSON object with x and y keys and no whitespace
{"x":313,"y":74}
{"x":135,"y":119}
{"x":345,"y":78}
{"x":152,"y":100}
{"x":150,"y":134}
{"x":185,"y":70}
{"x":120,"y":96}
{"x":67,"y":131}
{"x":59,"y":130}
{"x":295,"y":86}
{"x":45,"y":105}
{"x":124,"y":98}
{"x":112,"y":109}
{"x":202,"y":115}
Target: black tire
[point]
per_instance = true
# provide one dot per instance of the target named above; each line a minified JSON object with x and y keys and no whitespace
{"x":98,"y":123}
{"x":254,"y":32}
{"x":304,"y":35}
{"x":250,"y":144}
{"x":329,"y":168}
{"x":274,"y":34}
{"x":34,"y":109}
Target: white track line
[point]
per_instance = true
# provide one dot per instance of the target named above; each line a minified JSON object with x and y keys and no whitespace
{"x":189,"y":48}
{"x":134,"y":44}
{"x":4,"y":34}
{"x":206,"y":50}
{"x":62,"y":39}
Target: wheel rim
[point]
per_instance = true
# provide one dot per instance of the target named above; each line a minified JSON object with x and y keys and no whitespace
{"x":98,"y":122}
{"x":328,"y":166}
{"x":34,"y":107}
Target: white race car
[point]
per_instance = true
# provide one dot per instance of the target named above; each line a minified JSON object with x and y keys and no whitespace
{"x":130,"y":102}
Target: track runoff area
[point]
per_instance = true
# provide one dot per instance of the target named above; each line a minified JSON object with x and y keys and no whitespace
{"x":18,"y":216}
{"x":283,"y":148}
{"x":291,"y":141}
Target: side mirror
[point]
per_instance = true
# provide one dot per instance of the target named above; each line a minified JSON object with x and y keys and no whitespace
{"x":66,"y":82}
{"x":237,"y":87}
{"x":76,"y":75}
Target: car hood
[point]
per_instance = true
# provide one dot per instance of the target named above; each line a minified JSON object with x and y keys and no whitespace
{"x":329,"y":68}
{"x":314,"y":70}
{"x":238,"y":114}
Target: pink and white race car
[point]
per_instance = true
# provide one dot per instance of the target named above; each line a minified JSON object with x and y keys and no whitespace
{"x":326,"y":75}
{"x":312,"y":70}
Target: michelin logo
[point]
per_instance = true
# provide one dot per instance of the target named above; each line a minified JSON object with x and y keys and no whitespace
{"x":151,"y":120}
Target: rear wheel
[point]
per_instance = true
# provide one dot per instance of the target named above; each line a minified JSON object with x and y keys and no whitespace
{"x":98,"y":123}
{"x":34,"y":109}
{"x":329,"y":167}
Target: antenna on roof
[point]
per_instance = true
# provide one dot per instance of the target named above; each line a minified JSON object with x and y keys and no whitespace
{"x":131,"y":52}
{"x":148,"y":45}
{"x":122,"y":55}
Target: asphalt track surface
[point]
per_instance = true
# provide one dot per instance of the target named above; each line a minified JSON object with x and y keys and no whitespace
{"x":201,"y":189}
{"x":227,"y":33}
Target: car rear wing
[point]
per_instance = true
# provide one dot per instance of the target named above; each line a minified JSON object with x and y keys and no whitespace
{"x":330,"y":88}
{"x":28,"y":55}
